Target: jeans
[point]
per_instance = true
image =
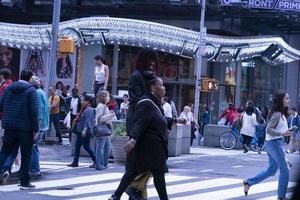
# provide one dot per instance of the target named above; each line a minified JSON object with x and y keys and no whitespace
{"x":13,"y":139}
{"x":85,"y":142}
{"x":55,"y":119}
{"x":9,"y":162}
{"x":102,"y":152}
{"x":158,"y":178}
{"x":35,"y":157}
{"x":275,"y":151}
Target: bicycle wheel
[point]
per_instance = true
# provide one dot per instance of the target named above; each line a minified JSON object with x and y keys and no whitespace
{"x":227,"y":141}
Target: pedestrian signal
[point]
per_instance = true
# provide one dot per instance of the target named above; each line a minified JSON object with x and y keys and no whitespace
{"x":66,"y":45}
{"x":209,"y":85}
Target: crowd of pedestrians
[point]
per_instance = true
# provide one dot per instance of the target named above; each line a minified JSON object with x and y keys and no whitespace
{"x":26,"y":113}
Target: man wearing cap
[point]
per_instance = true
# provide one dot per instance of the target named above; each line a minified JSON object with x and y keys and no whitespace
{"x":43,"y":126}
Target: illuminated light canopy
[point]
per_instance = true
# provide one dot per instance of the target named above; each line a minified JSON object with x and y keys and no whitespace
{"x":165,"y":38}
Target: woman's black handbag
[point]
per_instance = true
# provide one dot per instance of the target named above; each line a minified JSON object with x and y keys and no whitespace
{"x":102,"y":130}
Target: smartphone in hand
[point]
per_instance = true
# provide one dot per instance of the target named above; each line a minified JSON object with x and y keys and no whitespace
{"x":294,"y":128}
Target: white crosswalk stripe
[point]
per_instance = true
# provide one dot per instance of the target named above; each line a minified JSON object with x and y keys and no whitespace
{"x":100,"y":186}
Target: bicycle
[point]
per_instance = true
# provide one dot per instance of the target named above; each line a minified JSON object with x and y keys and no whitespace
{"x":228,"y":140}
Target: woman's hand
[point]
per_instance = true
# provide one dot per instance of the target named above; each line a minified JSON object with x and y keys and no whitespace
{"x":130,"y":145}
{"x":287,"y":133}
{"x":181,"y":121}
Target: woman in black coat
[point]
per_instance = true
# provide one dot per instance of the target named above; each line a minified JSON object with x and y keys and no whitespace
{"x":147,"y":131}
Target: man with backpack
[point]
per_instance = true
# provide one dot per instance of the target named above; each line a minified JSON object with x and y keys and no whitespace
{"x":54,"y":101}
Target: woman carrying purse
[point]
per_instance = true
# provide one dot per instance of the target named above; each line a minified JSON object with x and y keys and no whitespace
{"x":103,"y":117}
{"x":84,"y":131}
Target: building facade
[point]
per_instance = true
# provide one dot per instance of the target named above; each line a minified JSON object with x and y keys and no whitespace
{"x":252,"y":79}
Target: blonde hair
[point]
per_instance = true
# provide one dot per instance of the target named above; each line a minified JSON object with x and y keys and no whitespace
{"x":101,"y":96}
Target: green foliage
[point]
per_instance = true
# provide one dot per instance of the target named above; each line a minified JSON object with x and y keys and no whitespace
{"x":119,"y":128}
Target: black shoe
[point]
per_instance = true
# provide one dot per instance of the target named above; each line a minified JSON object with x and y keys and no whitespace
{"x":27,"y":186}
{"x":73,"y":165}
{"x":37,"y":175}
{"x":114,"y":197}
{"x":246,"y":188}
{"x":245,"y":149}
{"x":93,"y":165}
{"x":134,"y":194}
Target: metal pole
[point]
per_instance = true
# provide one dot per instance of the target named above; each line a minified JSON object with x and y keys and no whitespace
{"x":199,"y":63}
{"x":54,"y":39}
{"x":115,"y":69}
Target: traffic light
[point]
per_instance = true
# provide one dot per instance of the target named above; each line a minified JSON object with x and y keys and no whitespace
{"x":66,"y":45}
{"x":209,"y":84}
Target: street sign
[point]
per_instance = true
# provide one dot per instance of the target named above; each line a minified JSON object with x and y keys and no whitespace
{"x":288,"y":5}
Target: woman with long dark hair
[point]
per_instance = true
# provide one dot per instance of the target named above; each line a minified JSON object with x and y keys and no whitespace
{"x":249,"y":123}
{"x":64,"y":67}
{"x":101,"y":75}
{"x":277,"y":128}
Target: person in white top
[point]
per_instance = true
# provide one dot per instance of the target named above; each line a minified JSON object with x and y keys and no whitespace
{"x":103,"y":115}
{"x":187,"y":115}
{"x":277,"y":128}
{"x":101,"y":75}
{"x":74,"y":103}
{"x":124,"y":106}
{"x":248,"y":119}
{"x":167,"y":108}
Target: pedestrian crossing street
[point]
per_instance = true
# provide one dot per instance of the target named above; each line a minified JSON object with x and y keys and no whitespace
{"x":99,"y":186}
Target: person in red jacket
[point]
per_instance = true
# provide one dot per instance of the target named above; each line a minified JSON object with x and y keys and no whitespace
{"x":5,"y":74}
{"x":5,"y":81}
{"x":229,"y":114}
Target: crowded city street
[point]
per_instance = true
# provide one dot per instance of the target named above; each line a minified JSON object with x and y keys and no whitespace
{"x":149,"y":99}
{"x":206,"y":173}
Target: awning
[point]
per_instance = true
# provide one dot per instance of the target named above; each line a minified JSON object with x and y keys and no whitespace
{"x":161,"y":37}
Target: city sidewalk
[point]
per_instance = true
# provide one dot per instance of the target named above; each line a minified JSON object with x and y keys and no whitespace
{"x":206,"y":173}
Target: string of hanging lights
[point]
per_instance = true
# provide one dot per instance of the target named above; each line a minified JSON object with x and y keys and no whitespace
{"x":138,"y":33}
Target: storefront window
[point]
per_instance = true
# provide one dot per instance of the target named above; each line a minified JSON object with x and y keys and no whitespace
{"x":260,"y":81}
{"x":176,"y":72}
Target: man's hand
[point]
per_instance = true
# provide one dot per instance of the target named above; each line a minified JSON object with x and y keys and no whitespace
{"x":130,"y":145}
{"x":35,"y":136}
{"x":83,"y":134}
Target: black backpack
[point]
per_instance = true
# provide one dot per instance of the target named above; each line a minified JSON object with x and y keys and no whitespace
{"x":63,"y":106}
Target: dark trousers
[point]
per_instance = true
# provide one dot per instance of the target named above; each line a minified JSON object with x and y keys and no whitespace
{"x":158,"y":178}
{"x":70,"y":131}
{"x":85,"y":142}
{"x":13,"y":139}
{"x":246,"y":139}
{"x":261,"y":141}
{"x":55,"y":119}
{"x":97,"y":87}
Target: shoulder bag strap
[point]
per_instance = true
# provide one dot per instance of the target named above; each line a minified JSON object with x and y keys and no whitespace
{"x":149,"y":100}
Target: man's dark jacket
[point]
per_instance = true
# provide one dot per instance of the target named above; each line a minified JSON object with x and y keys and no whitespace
{"x":20,"y":108}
